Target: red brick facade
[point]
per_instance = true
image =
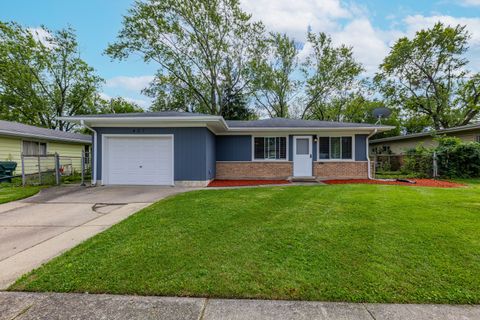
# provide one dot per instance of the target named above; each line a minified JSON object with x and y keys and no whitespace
{"x":341,"y":170}
{"x":238,"y":170}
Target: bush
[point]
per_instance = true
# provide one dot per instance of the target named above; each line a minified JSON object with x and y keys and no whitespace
{"x":455,"y":159}
{"x":418,"y":162}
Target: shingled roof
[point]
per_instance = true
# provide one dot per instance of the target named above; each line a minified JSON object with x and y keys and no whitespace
{"x":295,"y":123}
{"x":8,"y":128}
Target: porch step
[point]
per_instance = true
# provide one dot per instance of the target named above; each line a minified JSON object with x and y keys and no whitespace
{"x":303,"y":179}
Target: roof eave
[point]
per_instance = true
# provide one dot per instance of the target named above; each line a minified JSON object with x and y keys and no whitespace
{"x":243,"y":129}
{"x":42,"y":137}
{"x":195,"y":119}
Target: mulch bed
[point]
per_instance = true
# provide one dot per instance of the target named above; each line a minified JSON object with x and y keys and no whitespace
{"x":419,"y":183}
{"x":244,"y":183}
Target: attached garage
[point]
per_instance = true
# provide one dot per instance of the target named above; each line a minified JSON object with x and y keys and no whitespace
{"x":138,"y":160}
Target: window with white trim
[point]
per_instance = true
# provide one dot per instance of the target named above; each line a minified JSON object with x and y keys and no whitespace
{"x":335,"y":148}
{"x":270,"y":148}
{"x":34,"y":148}
{"x":86,"y":154}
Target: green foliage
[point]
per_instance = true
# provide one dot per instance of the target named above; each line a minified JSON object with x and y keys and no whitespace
{"x":118,"y":105}
{"x":418,"y":161}
{"x":331,"y":78}
{"x":427,"y":77}
{"x":43,"y":77}
{"x":203,"y":49}
{"x":275,"y":85}
{"x":455,"y":159}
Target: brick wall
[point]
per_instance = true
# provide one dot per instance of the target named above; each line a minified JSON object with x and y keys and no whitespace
{"x":341,"y":170}
{"x":253,"y":170}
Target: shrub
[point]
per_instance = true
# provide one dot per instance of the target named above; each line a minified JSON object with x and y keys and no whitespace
{"x":455,"y":159}
{"x":418,"y":162}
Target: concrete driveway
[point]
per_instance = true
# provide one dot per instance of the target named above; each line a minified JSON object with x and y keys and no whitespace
{"x":34,"y":230}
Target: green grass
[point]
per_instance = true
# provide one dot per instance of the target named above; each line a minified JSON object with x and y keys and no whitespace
{"x":10,"y":192}
{"x":368,"y":243}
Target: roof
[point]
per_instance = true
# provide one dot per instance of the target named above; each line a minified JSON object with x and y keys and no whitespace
{"x":295,"y":123}
{"x":16,"y":129}
{"x":216,"y":123}
{"x":467,"y":127}
{"x":160,"y":114}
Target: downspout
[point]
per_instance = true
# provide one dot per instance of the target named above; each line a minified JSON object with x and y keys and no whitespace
{"x":368,"y":154}
{"x":94,"y":172}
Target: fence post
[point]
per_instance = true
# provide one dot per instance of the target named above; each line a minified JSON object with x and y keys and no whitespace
{"x":435,"y":165}
{"x":39,"y":170}
{"x":57,"y":169}
{"x":83,"y":169}
{"x":24,"y":179}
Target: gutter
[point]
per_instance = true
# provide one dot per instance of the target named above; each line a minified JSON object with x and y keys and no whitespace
{"x":368,"y":154}
{"x":95,"y":148}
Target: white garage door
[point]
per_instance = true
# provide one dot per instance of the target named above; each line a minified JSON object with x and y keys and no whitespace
{"x":145,"y":160}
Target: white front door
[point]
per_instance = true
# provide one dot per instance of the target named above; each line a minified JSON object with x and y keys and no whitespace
{"x":302,"y":156}
{"x":138,"y":160}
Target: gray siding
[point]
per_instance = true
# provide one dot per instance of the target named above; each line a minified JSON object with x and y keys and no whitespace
{"x":234,"y":148}
{"x":361,"y":147}
{"x":193,"y":150}
{"x":211,"y":155}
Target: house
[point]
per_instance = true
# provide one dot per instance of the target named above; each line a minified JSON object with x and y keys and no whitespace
{"x":400,"y":144}
{"x":17,"y":138}
{"x":167,"y":148}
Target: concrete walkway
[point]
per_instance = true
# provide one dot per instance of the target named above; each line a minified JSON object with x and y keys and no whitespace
{"x":23,"y":306}
{"x":34,"y":230}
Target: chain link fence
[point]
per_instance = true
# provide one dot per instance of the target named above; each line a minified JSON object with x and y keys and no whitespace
{"x":55,"y":169}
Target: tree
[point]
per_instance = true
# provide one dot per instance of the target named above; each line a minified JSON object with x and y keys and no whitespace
{"x":275,"y":85}
{"x":43,"y":78}
{"x":118,"y":105}
{"x":197,"y":44}
{"x":331,"y":76}
{"x":427,"y":77}
{"x":236,"y":107}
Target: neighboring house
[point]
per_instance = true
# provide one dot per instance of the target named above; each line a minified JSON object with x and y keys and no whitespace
{"x":167,"y":148}
{"x":400,"y":144}
{"x":17,"y":138}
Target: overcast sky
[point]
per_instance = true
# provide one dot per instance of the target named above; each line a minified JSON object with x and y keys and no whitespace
{"x":370,"y":26}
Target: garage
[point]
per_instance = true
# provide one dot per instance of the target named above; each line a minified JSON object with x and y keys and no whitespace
{"x":137,"y":159}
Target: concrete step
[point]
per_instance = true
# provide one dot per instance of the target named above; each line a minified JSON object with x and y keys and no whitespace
{"x":303,"y":179}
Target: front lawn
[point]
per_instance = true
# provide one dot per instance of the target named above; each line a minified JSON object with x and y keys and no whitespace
{"x":372,"y":243}
{"x":10,"y":192}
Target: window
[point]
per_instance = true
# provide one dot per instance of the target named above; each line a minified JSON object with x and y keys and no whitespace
{"x":34,"y":148}
{"x":333,"y":148}
{"x":270,"y":148}
{"x":86,"y":154}
{"x":477,"y":138}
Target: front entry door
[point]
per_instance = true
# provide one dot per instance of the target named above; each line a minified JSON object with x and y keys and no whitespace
{"x":302,"y":156}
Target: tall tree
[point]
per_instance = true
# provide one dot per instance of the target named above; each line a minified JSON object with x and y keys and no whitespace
{"x":117,"y":105}
{"x":275,"y":83}
{"x":201,"y":46}
{"x":43,"y":77}
{"x":427,"y":77}
{"x":331,"y":75}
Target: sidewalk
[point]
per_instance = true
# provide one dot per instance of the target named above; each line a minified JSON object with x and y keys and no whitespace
{"x":21,"y":306}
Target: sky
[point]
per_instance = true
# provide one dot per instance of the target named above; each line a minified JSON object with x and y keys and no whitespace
{"x":370,"y":26}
